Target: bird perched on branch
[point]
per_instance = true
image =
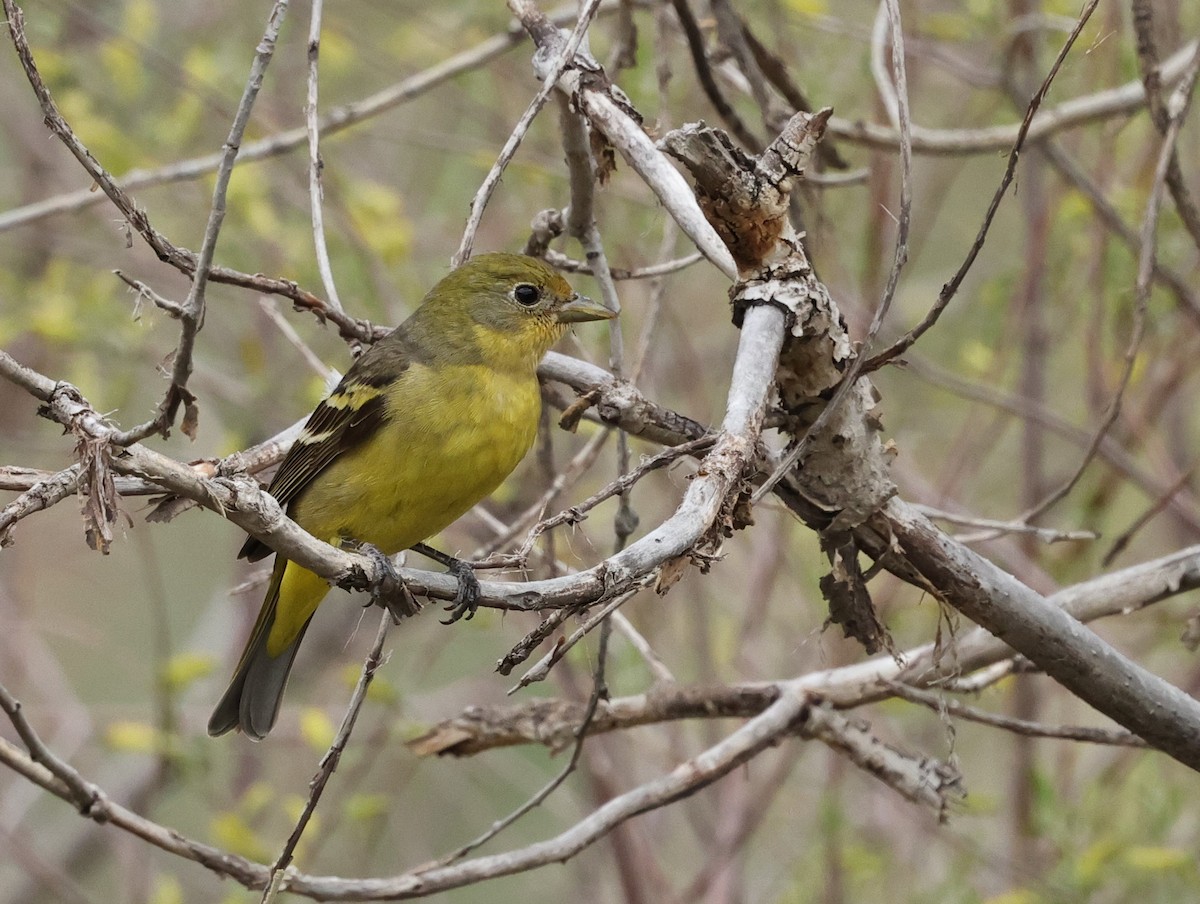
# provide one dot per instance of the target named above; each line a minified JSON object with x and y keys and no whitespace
{"x":425,"y":424}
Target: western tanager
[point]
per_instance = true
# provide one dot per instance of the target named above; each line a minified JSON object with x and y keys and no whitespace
{"x":426,"y":423}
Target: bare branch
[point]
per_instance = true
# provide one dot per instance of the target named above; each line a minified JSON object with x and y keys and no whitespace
{"x":329,"y":762}
{"x":685,"y":779}
{"x":1145,"y":273}
{"x":550,"y":74}
{"x":966,"y":664}
{"x":316,"y":191}
{"x":951,"y":288}
{"x":1069,"y":653}
{"x":1147,"y":53}
{"x":48,"y":772}
{"x":943,"y":705}
{"x":920,"y":780}
{"x":1120,"y":101}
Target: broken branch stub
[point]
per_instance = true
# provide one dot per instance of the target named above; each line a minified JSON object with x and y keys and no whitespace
{"x":844,"y":469}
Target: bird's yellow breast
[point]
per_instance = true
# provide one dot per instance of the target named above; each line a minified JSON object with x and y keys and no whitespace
{"x":450,"y":437}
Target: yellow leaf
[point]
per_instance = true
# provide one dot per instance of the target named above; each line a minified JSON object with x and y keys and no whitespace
{"x":249,"y":198}
{"x":977,"y":356}
{"x":809,"y":7}
{"x":1093,"y":860}
{"x":256,"y":797}
{"x":377,"y":213}
{"x":1151,"y":859}
{"x":364,"y":807}
{"x":141,"y":21}
{"x":382,"y":691}
{"x":167,"y":890}
{"x":233,"y":833}
{"x":948,"y":26}
{"x":56,"y":314}
{"x":202,"y":66}
{"x":1016,"y":896}
{"x":293,"y":808}
{"x":133,"y":737}
{"x":184,"y":668}
{"x":316,"y":728}
{"x":337,"y":51}
{"x":122,"y":66}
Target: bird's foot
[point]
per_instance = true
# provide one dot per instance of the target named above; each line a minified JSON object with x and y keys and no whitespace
{"x":466,"y":600}
{"x":388,"y":590}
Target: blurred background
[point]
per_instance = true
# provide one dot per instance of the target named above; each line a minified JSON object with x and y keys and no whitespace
{"x":119,"y":658}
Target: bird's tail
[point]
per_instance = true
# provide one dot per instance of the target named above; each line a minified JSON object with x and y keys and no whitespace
{"x":251,"y":703}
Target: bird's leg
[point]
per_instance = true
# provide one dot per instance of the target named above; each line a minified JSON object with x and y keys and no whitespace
{"x":466,"y":601}
{"x":389,"y":591}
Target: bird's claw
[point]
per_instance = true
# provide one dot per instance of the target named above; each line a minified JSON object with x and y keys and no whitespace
{"x":466,"y":600}
{"x":389,"y":591}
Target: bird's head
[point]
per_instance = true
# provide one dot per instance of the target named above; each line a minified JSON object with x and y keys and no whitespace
{"x":512,"y":304}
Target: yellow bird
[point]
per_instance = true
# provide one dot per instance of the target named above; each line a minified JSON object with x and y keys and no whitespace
{"x":429,"y":421}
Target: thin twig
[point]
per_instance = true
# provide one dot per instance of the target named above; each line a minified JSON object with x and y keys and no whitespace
{"x":1177,"y":106}
{"x":704,"y":74}
{"x":86,"y":797}
{"x":173,"y":309}
{"x":48,"y":491}
{"x":652,"y":271}
{"x":1159,"y":505}
{"x":951,"y":288}
{"x":556,"y":67}
{"x":941,"y":704}
{"x":1110,"y":450}
{"x":599,"y":692}
{"x":620,"y":485}
{"x":329,"y":762}
{"x":1122,"y":100}
{"x":316,"y":191}
{"x":995,"y":528}
{"x":542,"y":667}
{"x":659,"y":669}
{"x":319,"y":367}
{"x":1147,"y":54}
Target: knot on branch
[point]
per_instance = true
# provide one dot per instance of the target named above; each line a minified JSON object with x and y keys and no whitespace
{"x":92,"y":803}
{"x":63,"y":402}
{"x":746,"y":199}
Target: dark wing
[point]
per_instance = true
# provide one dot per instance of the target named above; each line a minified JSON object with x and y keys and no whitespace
{"x":350,"y":414}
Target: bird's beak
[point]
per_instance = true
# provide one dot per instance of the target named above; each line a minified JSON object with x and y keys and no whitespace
{"x":580,"y":308}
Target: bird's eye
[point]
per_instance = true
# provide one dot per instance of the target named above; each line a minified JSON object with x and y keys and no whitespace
{"x":526,"y":294}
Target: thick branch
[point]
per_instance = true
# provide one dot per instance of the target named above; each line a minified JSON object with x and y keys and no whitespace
{"x":553,"y":722}
{"x":1061,"y":646}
